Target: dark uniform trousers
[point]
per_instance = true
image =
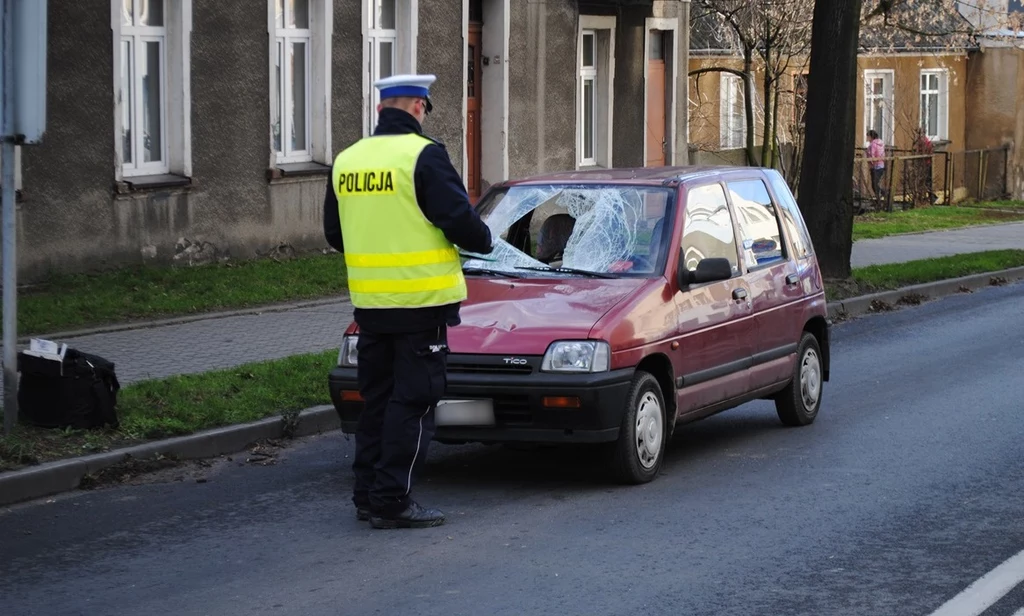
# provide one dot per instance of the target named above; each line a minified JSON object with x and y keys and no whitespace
{"x":401,"y":379}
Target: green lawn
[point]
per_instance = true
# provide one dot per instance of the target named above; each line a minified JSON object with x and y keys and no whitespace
{"x":875,"y":278}
{"x":185,"y":404}
{"x":72,"y":301}
{"x":182,"y":405}
{"x":881,"y":224}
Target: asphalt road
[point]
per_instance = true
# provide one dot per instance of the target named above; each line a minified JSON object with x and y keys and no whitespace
{"x":908,"y":488}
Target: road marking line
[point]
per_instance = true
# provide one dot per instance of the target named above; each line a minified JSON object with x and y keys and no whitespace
{"x":1019,"y":612}
{"x":987,"y":590}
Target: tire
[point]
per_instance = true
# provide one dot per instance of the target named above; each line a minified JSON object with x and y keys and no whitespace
{"x":798,"y":403}
{"x":638,"y":454}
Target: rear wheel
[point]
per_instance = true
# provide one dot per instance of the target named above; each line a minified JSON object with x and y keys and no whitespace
{"x":640,"y":450}
{"x":798,"y":403}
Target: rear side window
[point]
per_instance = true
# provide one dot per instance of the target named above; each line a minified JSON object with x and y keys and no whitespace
{"x":759,"y":228}
{"x":792,"y":220}
{"x":708,"y":228}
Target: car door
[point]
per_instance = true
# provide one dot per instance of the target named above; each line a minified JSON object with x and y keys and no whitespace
{"x":715,"y":321}
{"x":772,"y":278}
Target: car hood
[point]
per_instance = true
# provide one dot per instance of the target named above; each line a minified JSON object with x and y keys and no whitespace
{"x":523,"y":316}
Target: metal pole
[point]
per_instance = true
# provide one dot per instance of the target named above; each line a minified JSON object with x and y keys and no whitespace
{"x":10,"y":271}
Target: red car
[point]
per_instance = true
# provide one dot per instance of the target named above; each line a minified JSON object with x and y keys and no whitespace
{"x":620,"y":304}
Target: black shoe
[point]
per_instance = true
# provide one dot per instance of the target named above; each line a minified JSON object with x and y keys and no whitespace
{"x":362,"y":514}
{"x":414,"y":516}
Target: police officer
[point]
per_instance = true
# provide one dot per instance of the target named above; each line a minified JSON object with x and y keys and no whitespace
{"x":402,"y":208}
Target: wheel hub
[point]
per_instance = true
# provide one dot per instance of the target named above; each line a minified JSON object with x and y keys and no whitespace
{"x":649,"y":430}
{"x":810,"y":379}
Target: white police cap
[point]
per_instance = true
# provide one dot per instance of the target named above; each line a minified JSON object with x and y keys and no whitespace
{"x":416,"y":86}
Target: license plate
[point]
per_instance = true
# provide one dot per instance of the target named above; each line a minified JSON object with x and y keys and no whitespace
{"x":464,"y":413}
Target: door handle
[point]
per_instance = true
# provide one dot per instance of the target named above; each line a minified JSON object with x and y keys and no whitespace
{"x":739,"y":294}
{"x":792,"y":279}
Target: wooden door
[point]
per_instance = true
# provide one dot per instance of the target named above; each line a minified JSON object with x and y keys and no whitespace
{"x":473,"y":103}
{"x":656,"y":101}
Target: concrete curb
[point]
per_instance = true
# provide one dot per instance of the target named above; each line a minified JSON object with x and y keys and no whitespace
{"x":66,"y":475}
{"x":864,"y":304}
{"x":203,"y":316}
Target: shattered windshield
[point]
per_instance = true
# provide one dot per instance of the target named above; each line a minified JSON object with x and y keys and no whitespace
{"x":610,"y":230}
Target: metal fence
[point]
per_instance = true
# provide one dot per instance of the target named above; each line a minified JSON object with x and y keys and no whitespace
{"x":909,"y":179}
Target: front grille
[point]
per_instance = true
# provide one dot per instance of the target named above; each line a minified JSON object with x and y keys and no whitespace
{"x":492,"y":364}
{"x":466,"y":368}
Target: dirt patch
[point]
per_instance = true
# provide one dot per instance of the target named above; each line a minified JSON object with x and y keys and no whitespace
{"x":126,"y":471}
{"x":911,"y":299}
{"x":169,"y":469}
{"x":963,"y":289}
{"x":997,"y":281}
{"x":265,"y":453}
{"x":878,"y":305}
{"x":1001,"y":214}
{"x":839,"y":289}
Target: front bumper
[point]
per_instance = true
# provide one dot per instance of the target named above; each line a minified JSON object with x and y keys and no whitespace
{"x":517,"y":393}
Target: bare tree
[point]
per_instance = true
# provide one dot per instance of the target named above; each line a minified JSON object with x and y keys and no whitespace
{"x":775,"y":32}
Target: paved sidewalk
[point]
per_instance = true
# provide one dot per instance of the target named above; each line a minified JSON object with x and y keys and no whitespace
{"x":900,"y":248}
{"x":211,"y":344}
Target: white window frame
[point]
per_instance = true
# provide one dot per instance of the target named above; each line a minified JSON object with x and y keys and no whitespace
{"x":941,"y":98}
{"x":888,"y":98}
{"x":732,"y":123}
{"x":588,"y":76}
{"x":318,"y":84}
{"x":403,"y":38}
{"x":602,"y":75}
{"x":175,"y":108}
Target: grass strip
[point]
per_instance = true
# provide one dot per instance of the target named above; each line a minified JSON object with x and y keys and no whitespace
{"x":182,"y":405}
{"x":185,"y":404}
{"x":72,"y":301}
{"x":876,"y":278}
{"x":936,"y":218}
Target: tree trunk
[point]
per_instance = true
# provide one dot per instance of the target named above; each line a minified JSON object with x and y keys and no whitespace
{"x":748,"y":101}
{"x":826,"y":180}
{"x":775,"y":127}
{"x":766,"y":133}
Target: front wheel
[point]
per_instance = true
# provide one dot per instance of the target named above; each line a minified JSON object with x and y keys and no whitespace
{"x":798,"y":403}
{"x":640,"y":450}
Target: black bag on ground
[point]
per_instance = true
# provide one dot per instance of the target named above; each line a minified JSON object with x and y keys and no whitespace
{"x":83,"y":397}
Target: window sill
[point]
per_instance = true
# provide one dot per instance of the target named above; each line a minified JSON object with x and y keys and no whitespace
{"x":297,"y":170}
{"x":143,"y":183}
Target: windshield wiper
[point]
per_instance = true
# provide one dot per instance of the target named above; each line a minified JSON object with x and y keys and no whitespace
{"x":566,"y":270}
{"x":484,"y":270}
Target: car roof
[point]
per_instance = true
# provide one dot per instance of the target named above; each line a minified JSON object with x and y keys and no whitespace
{"x":658,"y":176}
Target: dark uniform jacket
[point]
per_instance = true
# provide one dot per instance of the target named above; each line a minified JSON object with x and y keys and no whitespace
{"x":443,"y":200}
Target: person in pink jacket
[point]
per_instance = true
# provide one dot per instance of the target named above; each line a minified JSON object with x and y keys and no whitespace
{"x":876,"y":156}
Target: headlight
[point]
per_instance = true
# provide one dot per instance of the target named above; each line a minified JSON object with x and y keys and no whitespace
{"x":348,"y":356}
{"x":577,"y":356}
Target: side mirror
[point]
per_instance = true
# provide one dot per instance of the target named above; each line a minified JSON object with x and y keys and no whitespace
{"x":708,"y":270}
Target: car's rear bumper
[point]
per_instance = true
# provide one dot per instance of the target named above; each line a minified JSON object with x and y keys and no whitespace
{"x":520,"y":412}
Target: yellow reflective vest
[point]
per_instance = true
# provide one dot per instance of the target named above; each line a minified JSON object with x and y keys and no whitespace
{"x":396,"y":258}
